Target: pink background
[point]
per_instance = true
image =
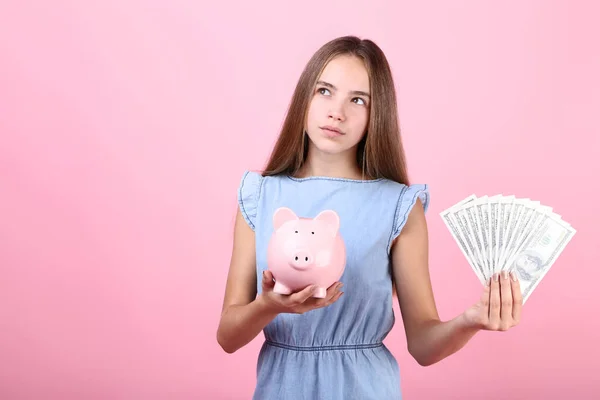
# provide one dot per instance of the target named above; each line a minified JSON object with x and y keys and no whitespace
{"x":116,"y":210}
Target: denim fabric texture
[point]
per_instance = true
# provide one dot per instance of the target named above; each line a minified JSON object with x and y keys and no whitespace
{"x":335,"y":352}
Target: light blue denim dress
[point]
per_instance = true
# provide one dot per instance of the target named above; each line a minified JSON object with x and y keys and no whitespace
{"x":335,"y":352}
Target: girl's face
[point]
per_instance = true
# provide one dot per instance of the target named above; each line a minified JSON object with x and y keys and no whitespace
{"x":338,"y":113}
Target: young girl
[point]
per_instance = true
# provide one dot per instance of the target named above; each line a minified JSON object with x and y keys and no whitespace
{"x":340,"y":149}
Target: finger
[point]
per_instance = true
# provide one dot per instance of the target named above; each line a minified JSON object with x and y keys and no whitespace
{"x":506,"y":301}
{"x":303,"y":295}
{"x":334,"y":285}
{"x":332,"y":291}
{"x":335,"y":298}
{"x":494,"y":303}
{"x":332,"y":299}
{"x":517,"y":298}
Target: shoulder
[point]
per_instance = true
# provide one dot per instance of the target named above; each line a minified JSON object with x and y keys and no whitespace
{"x":250,"y":179}
{"x":252,"y":190}
{"x":409,"y":194}
{"x":405,"y":196}
{"x":248,"y":195}
{"x":410,"y":200}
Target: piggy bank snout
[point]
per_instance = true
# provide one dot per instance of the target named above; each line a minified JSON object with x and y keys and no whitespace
{"x":301,"y":259}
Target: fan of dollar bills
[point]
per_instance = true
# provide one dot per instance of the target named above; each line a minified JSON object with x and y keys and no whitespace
{"x":506,"y":233}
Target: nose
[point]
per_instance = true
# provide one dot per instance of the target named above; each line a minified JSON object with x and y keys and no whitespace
{"x":336,"y":112}
{"x":301,"y":259}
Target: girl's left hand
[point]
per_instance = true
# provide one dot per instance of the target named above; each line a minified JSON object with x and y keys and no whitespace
{"x":499,"y":307}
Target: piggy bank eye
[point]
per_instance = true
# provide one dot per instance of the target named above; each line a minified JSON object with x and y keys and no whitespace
{"x":296,"y":231}
{"x":313,"y":233}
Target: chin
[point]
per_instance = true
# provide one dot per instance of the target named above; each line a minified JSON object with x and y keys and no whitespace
{"x":329,"y":146}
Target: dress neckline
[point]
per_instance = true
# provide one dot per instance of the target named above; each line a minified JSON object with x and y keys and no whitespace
{"x":332,"y":178}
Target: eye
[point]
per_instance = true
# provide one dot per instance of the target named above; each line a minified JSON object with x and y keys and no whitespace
{"x":313,"y":233}
{"x":358,"y":98}
{"x":296,"y":231}
{"x":321,"y":90}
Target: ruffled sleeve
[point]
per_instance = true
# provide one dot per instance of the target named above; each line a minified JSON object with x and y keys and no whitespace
{"x":248,"y":195}
{"x":406,"y":201}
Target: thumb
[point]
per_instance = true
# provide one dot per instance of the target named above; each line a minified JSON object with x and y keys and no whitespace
{"x":485,"y":296}
{"x":267,"y":280}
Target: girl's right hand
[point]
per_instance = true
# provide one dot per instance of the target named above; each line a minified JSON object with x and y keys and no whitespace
{"x":298,"y":302}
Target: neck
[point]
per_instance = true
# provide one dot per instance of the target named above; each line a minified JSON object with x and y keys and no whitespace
{"x":342,"y":165}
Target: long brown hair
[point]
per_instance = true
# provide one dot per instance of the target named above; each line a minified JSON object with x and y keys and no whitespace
{"x":380,"y":152}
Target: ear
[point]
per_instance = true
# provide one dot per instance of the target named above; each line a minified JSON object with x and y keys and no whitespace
{"x":331,"y":219}
{"x":283,"y":215}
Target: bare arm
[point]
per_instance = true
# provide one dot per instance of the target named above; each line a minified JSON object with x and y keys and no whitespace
{"x":429,"y":339}
{"x":244,"y":314}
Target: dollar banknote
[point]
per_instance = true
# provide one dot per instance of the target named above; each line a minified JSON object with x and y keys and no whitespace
{"x":505,"y":233}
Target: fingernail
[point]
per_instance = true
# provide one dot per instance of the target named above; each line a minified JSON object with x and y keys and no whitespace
{"x":504,"y":275}
{"x":495,"y":277}
{"x":513,"y":275}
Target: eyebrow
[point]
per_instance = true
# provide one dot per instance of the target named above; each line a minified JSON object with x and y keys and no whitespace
{"x":358,"y":92}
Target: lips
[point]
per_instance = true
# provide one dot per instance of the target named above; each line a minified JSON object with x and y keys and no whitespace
{"x":332,"y":130}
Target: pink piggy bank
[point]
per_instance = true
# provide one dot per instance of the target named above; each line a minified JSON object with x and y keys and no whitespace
{"x":305,"y":251}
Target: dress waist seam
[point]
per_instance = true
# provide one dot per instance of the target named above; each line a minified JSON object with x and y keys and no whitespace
{"x":357,"y":346}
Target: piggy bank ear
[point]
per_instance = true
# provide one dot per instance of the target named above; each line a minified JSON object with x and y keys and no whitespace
{"x":330,"y":219}
{"x":283,"y":215}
